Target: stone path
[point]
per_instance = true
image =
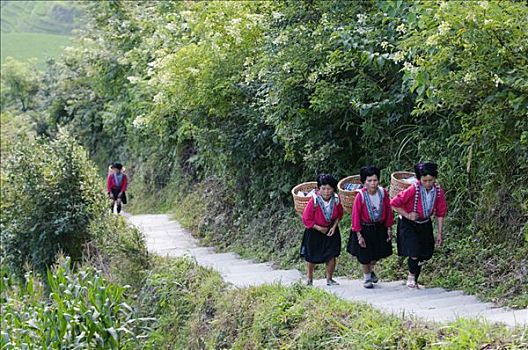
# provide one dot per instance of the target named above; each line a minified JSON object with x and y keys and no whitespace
{"x":166,"y":237}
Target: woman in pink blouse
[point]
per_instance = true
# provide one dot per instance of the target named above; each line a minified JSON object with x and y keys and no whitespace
{"x":371,"y":234}
{"x":322,"y":241}
{"x":116,"y":186}
{"x":416,"y":206}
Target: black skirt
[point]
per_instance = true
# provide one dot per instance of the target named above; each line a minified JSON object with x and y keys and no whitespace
{"x":318,"y":248}
{"x":414,"y":239}
{"x":377,"y":247}
{"x":115,"y":192}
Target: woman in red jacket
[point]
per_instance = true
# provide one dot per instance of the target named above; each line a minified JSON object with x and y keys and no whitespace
{"x":416,"y":206}
{"x":322,"y":241}
{"x":116,"y":186}
{"x":371,"y":234}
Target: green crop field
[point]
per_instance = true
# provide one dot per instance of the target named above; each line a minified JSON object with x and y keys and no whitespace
{"x":50,"y":17}
{"x":37,"y":29}
{"x":23,"y":46}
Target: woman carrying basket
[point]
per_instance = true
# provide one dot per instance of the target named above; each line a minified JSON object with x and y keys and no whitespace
{"x":116,"y":186}
{"x":371,"y":234}
{"x":322,"y":240}
{"x":416,"y":205}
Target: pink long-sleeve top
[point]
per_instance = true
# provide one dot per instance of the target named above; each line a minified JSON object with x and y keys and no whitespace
{"x":405,"y":199}
{"x":110,"y":183}
{"x":360,"y":212}
{"x":313,"y":215}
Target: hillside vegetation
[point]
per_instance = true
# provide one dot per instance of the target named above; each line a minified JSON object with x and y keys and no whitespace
{"x":218,"y":109}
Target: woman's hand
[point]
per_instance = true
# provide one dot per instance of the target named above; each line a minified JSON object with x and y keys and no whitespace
{"x":111,"y":195}
{"x":440,"y":222}
{"x":412,"y":216}
{"x":389,"y":235}
{"x":361,"y":241}
{"x":331,"y":231}
{"x":321,"y":229}
{"x":439,"y":240}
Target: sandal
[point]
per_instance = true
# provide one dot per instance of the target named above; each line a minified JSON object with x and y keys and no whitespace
{"x":332,"y":282}
{"x":411,"y":282}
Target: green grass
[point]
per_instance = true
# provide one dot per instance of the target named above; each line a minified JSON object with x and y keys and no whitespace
{"x":23,"y":46}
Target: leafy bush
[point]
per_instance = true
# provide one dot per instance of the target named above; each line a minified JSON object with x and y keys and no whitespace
{"x":118,"y":250}
{"x":182,"y":296}
{"x":20,"y":83}
{"x":81,"y":311}
{"x":50,"y":194}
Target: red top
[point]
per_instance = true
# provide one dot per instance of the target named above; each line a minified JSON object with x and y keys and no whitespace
{"x":360,"y":212}
{"x":110,"y":183}
{"x":405,"y":200}
{"x":314,"y":216}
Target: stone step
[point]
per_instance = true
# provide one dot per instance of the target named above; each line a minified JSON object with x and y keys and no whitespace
{"x":243,"y":269}
{"x":382,"y":292}
{"x":285,"y":277}
{"x":452,"y":313}
{"x":158,"y":244}
{"x":150,"y":219}
{"x":389,"y":293}
{"x":180,"y":252}
{"x":221,"y":259}
{"x":219,"y":265}
{"x":437,"y":303}
{"x":512,"y":318}
{"x":163,"y":227}
{"x":424,"y":298}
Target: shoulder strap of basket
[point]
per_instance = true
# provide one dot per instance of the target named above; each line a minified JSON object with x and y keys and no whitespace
{"x":437,"y":189}
{"x":416,"y":194}
{"x":314,"y":196}
{"x":337,"y":199}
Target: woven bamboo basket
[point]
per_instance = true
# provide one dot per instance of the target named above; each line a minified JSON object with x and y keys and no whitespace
{"x":301,"y":202}
{"x":347,"y":197}
{"x":397,"y":185}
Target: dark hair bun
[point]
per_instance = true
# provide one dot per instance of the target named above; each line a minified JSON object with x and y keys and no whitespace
{"x":326,"y":179}
{"x":367,"y":171}
{"x":426,"y":168}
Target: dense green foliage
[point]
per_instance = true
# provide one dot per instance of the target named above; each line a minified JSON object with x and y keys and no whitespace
{"x":50,"y":193}
{"x":73,"y":310}
{"x":20,"y":84}
{"x":195,"y":310}
{"x":251,"y":98}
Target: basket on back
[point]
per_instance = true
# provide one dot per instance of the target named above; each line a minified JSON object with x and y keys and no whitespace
{"x":301,"y":201}
{"x":400,"y":180}
{"x":348,"y":196}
